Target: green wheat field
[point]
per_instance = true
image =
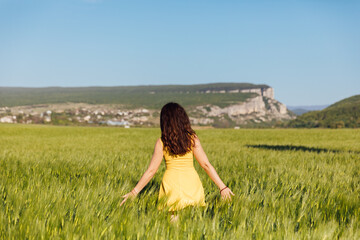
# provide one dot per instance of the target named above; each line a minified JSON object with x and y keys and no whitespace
{"x":67,"y":183}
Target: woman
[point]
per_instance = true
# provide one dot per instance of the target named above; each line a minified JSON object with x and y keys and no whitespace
{"x":181,"y":185}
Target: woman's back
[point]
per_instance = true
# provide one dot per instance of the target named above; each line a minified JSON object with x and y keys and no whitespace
{"x":181,"y":183}
{"x":178,"y":162}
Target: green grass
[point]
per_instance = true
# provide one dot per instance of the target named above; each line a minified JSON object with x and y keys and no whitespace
{"x":67,"y":182}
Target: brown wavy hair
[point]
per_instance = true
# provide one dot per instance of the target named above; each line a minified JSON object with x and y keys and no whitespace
{"x":176,"y":132}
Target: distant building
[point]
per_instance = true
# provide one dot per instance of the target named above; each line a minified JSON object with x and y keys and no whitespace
{"x":115,"y":123}
{"x":47,"y":119}
{"x":8,"y":119}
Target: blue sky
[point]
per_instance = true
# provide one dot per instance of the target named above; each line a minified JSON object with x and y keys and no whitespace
{"x":308,"y":51}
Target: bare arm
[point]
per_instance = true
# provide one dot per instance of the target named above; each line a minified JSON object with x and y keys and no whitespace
{"x":202,"y":159}
{"x":149,"y":173}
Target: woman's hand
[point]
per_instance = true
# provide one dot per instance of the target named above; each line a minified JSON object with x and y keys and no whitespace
{"x":131,"y":194}
{"x":149,"y":173}
{"x":226,"y":194}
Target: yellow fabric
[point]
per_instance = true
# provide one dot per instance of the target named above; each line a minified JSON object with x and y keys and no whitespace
{"x":181,"y":185}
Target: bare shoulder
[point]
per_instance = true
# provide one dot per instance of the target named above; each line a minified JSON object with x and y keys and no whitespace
{"x":196,"y":141}
{"x":159,"y":143}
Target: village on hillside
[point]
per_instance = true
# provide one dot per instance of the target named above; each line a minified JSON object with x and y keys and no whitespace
{"x":77,"y":114}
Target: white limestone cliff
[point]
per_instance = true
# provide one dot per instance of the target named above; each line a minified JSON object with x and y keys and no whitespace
{"x":261,"y":108}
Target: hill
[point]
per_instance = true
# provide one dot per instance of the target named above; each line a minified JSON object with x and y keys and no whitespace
{"x":345,"y":113}
{"x":130,"y":96}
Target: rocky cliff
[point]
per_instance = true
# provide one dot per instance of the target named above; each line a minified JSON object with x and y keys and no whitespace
{"x":260,"y":108}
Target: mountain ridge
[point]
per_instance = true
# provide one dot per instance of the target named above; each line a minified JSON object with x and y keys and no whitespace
{"x":299,"y":110}
{"x":131,"y":96}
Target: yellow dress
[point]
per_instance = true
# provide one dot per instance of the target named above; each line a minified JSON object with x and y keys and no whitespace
{"x":181,"y":185}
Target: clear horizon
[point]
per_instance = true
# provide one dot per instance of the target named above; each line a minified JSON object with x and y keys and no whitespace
{"x":307,"y":51}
